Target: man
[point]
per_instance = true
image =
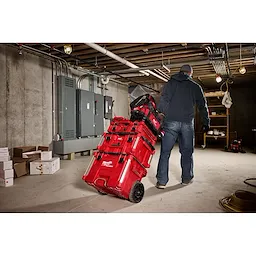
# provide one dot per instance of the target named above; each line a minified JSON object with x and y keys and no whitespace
{"x":176,"y":104}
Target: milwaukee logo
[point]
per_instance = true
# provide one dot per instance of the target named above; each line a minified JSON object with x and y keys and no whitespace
{"x":107,"y":163}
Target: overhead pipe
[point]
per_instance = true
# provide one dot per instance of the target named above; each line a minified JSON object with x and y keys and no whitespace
{"x":160,"y":72}
{"x":42,"y":52}
{"x":227,"y":58}
{"x":163,"y":73}
{"x":113,"y":56}
{"x":128,"y":75}
{"x":125,"y":62}
{"x":80,"y":79}
{"x":50,"y":47}
{"x":60,"y":59}
{"x":77,"y":59}
{"x":173,"y":65}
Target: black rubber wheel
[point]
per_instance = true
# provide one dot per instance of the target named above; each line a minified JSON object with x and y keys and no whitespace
{"x":137,"y":192}
{"x":102,"y":193}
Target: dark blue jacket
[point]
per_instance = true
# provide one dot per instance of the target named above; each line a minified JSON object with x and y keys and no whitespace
{"x":179,"y":97}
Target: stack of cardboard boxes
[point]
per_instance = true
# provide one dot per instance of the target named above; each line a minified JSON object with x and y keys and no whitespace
{"x":6,"y":170}
{"x":46,"y":165}
{"x":27,"y":160}
{"x":22,"y":156}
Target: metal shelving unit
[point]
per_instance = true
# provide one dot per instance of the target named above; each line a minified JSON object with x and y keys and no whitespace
{"x":223,"y":114}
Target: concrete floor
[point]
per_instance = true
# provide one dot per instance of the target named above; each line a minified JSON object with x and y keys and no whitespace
{"x":217,"y":174}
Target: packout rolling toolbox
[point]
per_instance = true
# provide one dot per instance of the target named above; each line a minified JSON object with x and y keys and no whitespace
{"x":121,"y":159}
{"x":118,"y":174}
{"x":129,"y":143}
{"x":144,"y":108}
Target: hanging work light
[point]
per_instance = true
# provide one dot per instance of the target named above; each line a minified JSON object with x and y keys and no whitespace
{"x":242,"y":69}
{"x":218,"y":79}
{"x":67,"y":48}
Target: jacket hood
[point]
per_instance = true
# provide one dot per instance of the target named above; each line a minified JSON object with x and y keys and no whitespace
{"x":181,"y":77}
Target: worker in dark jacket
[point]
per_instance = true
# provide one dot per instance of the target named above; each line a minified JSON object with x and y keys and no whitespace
{"x":177,"y":102}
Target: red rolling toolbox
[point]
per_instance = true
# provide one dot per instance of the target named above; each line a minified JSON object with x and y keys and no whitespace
{"x":124,"y":154}
{"x":121,"y":125}
{"x":116,"y":174}
{"x":129,"y":143}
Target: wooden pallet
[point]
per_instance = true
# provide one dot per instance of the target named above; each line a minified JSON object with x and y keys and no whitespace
{"x":71,"y":156}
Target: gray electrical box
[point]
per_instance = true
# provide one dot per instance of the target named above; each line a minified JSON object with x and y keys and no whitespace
{"x":108,"y":104}
{"x":85,"y":113}
{"x":66,"y":100}
{"x":99,"y":114}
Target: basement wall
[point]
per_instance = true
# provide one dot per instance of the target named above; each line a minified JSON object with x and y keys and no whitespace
{"x":26,"y":98}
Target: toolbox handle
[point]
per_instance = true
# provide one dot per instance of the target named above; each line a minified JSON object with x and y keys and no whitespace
{"x":113,"y":153}
{"x":105,"y":182}
{"x":124,"y":133}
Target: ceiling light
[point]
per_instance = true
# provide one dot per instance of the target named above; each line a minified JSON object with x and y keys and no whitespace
{"x":218,"y":79}
{"x":242,"y":70}
{"x":67,"y":48}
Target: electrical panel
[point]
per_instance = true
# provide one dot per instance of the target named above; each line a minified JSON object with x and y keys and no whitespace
{"x":108,"y":104}
{"x":99,"y":114}
{"x":66,"y":101}
{"x":90,"y":113}
{"x":85,"y":113}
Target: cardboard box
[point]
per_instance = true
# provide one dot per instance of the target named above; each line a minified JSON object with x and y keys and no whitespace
{"x":4,"y":158}
{"x":45,"y":167}
{"x":4,"y":154}
{"x":6,"y":182}
{"x":6,"y":174}
{"x":6,"y":165}
{"x":18,"y":151}
{"x":4,"y":150}
{"x":27,"y":163}
{"x":31,"y":154}
{"x":43,"y":148}
{"x":20,"y":169}
{"x":46,"y":155}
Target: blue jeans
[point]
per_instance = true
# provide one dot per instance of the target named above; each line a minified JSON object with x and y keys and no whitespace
{"x":184,"y":132}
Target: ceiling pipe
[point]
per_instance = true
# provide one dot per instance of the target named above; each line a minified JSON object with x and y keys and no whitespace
{"x":128,"y":75}
{"x":42,"y":52}
{"x":28,"y":48}
{"x":74,"y":67}
{"x":227,"y":59}
{"x":125,"y":62}
{"x":173,"y":65}
{"x":113,"y":56}
{"x":164,"y":74}
{"x":160,"y":72}
{"x":82,"y":61}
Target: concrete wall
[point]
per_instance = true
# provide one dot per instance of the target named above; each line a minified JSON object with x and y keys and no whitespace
{"x":26,"y":98}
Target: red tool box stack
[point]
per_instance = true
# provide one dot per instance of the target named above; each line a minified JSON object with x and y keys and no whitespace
{"x":125,"y":152}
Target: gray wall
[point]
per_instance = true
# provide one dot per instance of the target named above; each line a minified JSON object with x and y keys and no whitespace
{"x":26,"y":98}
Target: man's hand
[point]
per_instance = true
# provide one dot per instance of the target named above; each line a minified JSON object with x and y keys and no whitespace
{"x":161,"y":115}
{"x":206,"y":128}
